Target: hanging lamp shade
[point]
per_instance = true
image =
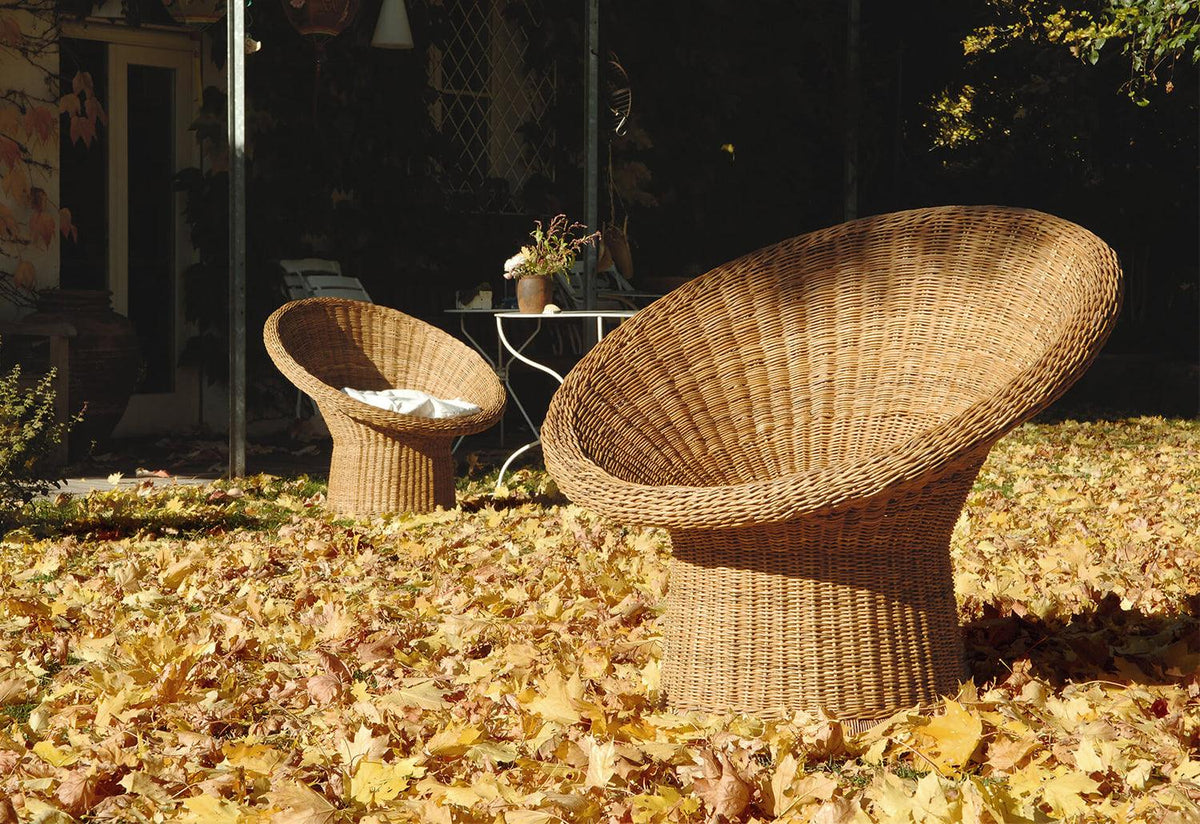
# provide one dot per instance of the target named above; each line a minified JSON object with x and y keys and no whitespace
{"x":392,"y":31}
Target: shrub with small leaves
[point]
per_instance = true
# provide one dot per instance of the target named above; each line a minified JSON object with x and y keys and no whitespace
{"x":28,"y":433}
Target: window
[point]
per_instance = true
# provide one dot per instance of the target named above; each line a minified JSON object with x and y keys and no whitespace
{"x":489,"y":107}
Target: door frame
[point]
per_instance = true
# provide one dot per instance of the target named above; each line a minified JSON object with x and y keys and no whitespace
{"x":180,"y":51}
{"x":120,"y":57}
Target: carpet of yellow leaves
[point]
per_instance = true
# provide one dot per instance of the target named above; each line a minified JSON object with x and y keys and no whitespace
{"x":233,"y":654}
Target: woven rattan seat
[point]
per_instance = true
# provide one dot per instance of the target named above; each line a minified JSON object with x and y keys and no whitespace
{"x":382,"y":461}
{"x":806,"y":422}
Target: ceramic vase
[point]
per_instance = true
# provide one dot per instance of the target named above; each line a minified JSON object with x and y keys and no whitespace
{"x":533,"y":293}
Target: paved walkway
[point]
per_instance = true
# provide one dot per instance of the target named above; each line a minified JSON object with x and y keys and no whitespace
{"x":84,"y":485}
{"x":183,"y":461}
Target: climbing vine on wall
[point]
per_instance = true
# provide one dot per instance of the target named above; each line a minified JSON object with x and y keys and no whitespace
{"x":31,"y":114}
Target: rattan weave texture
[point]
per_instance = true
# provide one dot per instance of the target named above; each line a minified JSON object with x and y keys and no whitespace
{"x":382,"y":461}
{"x":806,"y":421}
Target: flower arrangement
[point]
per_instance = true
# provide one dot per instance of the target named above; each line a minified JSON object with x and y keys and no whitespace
{"x":554,"y":249}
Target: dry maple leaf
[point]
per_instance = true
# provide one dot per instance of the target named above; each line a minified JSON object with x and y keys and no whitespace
{"x":839,"y":811}
{"x":364,"y":745}
{"x":324,"y":689}
{"x":377,"y":648}
{"x":601,"y":765}
{"x":952,"y":737}
{"x":723,"y":791}
{"x":84,"y":788}
{"x":297,"y":804}
{"x":332,"y":665}
{"x":8,"y":815}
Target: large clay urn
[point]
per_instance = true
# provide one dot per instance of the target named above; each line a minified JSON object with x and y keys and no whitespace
{"x":105,"y":362}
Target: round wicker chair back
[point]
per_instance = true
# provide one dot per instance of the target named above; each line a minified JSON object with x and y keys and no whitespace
{"x":382,"y":461}
{"x":807,"y":420}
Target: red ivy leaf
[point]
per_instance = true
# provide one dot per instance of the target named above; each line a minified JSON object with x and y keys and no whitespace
{"x":83,"y":129}
{"x":82,"y":82}
{"x":95,"y":111}
{"x":41,"y":123}
{"x":10,"y":32}
{"x":70,"y":104}
{"x":8,"y":224}
{"x":16,"y":184}
{"x":42,"y":228}
{"x":10,"y":151}
{"x":25,"y":275}
{"x":66,"y":225}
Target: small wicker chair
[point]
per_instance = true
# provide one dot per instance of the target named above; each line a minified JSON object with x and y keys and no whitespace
{"x":806,"y":422}
{"x":382,"y":461}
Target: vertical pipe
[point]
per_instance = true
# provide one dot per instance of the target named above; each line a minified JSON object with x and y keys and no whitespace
{"x":850,"y":167}
{"x":235,"y":68}
{"x":591,"y":137}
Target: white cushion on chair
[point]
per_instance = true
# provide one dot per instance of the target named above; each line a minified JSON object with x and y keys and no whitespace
{"x":413,"y":402}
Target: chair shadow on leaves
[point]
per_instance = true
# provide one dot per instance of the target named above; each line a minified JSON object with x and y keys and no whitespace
{"x":1107,"y":644}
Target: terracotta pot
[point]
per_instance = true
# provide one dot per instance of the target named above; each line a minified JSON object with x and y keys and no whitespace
{"x":105,"y":362}
{"x":327,"y":18}
{"x":533,"y":293}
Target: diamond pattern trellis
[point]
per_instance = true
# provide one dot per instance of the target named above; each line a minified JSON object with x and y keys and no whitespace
{"x":489,"y":107}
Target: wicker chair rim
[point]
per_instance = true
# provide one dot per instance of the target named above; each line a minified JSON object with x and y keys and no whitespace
{"x":491,"y":406}
{"x":793,"y":495}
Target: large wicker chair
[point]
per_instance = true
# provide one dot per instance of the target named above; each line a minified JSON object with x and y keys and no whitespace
{"x":382,"y":461}
{"x":806,"y":422}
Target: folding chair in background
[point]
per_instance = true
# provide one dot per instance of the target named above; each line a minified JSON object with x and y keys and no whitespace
{"x":318,"y":278}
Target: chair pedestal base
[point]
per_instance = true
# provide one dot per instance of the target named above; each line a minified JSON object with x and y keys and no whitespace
{"x":373,"y":472}
{"x":850,"y":615}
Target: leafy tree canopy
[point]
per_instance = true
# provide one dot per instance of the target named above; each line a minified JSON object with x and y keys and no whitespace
{"x":1153,"y":34}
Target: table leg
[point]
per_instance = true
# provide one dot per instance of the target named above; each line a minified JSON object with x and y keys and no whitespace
{"x":497,"y":366}
{"x":518,"y":354}
{"x":507,"y":463}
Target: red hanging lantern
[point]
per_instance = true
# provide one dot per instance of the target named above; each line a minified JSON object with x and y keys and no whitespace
{"x":320,"y":18}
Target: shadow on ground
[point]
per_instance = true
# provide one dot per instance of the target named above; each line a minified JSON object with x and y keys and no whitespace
{"x":1110,"y":644}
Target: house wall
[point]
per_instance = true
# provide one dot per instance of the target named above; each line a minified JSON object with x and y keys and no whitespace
{"x":31,"y":187}
{"x":24,"y":88}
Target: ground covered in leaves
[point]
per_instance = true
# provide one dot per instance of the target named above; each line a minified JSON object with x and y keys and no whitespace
{"x":235,"y":654}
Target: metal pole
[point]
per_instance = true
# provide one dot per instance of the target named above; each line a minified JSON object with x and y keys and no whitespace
{"x":850,"y":168}
{"x":591,"y":137}
{"x":235,"y":68}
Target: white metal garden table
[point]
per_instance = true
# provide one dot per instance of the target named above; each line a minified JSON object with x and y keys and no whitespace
{"x":518,"y":353}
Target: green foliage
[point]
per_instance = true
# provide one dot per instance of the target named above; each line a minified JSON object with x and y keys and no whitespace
{"x":28,"y":433}
{"x":258,"y":503}
{"x":554,"y":249}
{"x":1153,"y":34}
